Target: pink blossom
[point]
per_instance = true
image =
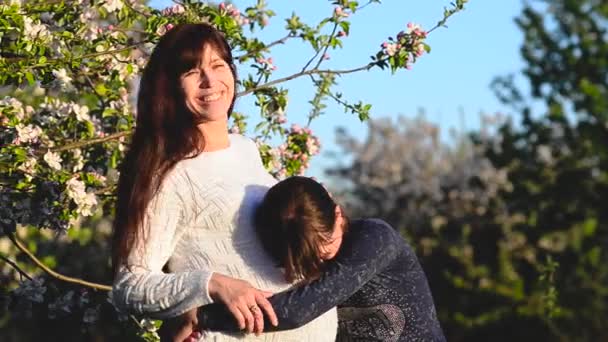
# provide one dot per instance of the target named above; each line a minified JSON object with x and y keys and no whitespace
{"x":339,"y":12}
{"x":341,"y":34}
{"x":326,"y":56}
{"x":169,"y":26}
{"x":222,"y":6}
{"x":296,"y":128}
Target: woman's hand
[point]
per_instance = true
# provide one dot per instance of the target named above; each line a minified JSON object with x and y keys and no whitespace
{"x":244,"y":301}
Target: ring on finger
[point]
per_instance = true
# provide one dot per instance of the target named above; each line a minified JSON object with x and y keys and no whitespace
{"x":254,"y":308}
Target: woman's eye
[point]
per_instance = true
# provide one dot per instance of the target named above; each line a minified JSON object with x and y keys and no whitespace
{"x":219,"y":66}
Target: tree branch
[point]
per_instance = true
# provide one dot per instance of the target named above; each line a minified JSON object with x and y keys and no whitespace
{"x":310,"y":72}
{"x":333,"y":32}
{"x":95,"y":54}
{"x":54,"y":274}
{"x":130,"y":6}
{"x":83,"y":143}
{"x":266,"y":47}
{"x":16,"y":267}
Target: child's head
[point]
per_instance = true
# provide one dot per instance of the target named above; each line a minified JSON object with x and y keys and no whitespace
{"x":300,"y":226}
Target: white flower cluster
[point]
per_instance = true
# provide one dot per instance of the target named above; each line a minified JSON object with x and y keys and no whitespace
{"x":53,"y":160}
{"x":113,"y":5}
{"x":63,"y":305}
{"x":20,"y":111}
{"x":62,"y":78}
{"x":32,"y":290}
{"x":28,"y":167}
{"x":85,"y":201}
{"x":35,"y":29}
{"x":26,"y":134}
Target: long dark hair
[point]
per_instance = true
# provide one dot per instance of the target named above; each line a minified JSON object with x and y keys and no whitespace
{"x":296,"y":217}
{"x":166,"y":131}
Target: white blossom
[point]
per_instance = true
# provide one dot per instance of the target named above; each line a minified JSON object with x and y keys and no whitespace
{"x":82,"y":112}
{"x":79,"y":160}
{"x":29,"y":167}
{"x":29,"y":133}
{"x":34,"y":30}
{"x":91,"y":315}
{"x":77,"y":192}
{"x":33,"y":290}
{"x":15,"y":104}
{"x":544,"y":154}
{"x":113,"y":5}
{"x":62,"y":76}
{"x":53,"y":160}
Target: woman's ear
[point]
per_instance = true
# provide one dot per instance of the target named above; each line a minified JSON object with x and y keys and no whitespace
{"x":338,"y":211}
{"x":339,"y":221}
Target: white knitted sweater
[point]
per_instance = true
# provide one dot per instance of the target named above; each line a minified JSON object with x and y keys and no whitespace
{"x":201,"y":222}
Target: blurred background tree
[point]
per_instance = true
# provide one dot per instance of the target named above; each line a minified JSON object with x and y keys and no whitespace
{"x":510,"y":222}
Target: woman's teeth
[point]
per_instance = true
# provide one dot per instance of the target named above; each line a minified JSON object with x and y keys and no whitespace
{"x":210,"y":98}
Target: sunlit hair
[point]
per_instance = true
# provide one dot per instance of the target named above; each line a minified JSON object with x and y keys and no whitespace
{"x":166,"y":130}
{"x":295,"y":219}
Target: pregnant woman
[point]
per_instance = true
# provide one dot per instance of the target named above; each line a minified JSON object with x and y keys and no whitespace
{"x":363,"y":266}
{"x":186,"y":197}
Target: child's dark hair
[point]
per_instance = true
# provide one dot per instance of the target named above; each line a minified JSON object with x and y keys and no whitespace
{"x":293,"y":221}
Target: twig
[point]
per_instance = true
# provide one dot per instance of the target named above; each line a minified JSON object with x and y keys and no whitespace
{"x":310,"y":72}
{"x":126,"y":2}
{"x":83,"y":143}
{"x":54,"y":274}
{"x":363,"y":6}
{"x":333,"y":32}
{"x":266,"y":47}
{"x":95,"y":54}
{"x":16,"y":267}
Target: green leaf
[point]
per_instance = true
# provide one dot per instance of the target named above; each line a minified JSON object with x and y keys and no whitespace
{"x":30,"y":78}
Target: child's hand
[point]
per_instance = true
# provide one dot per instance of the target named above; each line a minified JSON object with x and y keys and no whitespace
{"x":194,"y":337}
{"x":182,"y":328}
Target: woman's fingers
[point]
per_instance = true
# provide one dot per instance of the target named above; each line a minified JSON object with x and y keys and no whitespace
{"x":249,"y":320}
{"x":265,"y":305}
{"x":236,"y":312}
{"x":258,"y":317}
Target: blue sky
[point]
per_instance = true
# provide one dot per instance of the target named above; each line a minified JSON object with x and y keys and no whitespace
{"x":451,"y":84}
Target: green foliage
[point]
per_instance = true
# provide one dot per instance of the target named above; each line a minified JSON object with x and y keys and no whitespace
{"x":511,"y":223}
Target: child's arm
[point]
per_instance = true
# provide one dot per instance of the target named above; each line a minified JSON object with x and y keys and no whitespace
{"x":368,"y":250}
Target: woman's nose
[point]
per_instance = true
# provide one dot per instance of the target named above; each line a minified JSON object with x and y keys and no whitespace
{"x":206,"y":78}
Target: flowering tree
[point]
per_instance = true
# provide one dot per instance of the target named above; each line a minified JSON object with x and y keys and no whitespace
{"x":68,"y":70}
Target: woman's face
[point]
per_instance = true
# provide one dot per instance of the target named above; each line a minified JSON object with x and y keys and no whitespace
{"x":332,"y":245}
{"x":209,"y":87}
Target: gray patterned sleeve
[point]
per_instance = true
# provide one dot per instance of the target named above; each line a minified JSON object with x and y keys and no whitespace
{"x":140,"y":285}
{"x":363,"y":254}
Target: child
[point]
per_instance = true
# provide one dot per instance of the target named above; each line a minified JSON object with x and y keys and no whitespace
{"x":362,"y":266}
